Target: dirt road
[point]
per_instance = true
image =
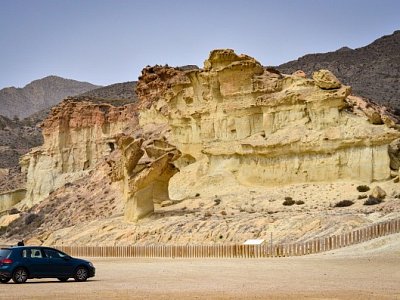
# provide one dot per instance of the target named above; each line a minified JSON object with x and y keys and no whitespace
{"x":315,"y":277}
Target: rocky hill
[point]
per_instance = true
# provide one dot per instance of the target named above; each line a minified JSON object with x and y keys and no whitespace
{"x":118,"y":92}
{"x":220,"y":154}
{"x":39,"y":94}
{"x":373,"y":71}
{"x":17,"y":137}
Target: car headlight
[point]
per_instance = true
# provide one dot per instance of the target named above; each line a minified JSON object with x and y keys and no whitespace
{"x":90,"y":264}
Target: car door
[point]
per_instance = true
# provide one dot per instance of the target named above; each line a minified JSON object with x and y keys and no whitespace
{"x":35,"y":261}
{"x":59,"y":265}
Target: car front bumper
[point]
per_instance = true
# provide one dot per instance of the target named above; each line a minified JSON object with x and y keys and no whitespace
{"x":92,"y":272}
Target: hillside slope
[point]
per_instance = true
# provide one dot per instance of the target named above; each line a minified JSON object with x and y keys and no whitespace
{"x":18,"y":137}
{"x":38,"y":95}
{"x":118,"y":91}
{"x":373,"y":71}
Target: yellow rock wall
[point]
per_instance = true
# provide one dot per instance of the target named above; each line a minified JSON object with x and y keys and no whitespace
{"x":11,"y":198}
{"x":76,"y":136}
{"x":263,"y":127}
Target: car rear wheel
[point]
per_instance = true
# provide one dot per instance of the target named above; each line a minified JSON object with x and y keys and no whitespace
{"x":81,"y":274}
{"x":63,"y":279}
{"x":20,"y":275}
{"x":4,"y":280}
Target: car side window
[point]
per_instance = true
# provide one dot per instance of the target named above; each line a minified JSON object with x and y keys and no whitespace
{"x":52,"y":253}
{"x":26,"y":253}
{"x":36,"y":253}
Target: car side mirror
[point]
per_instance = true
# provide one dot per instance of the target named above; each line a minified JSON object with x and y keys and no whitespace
{"x":67,"y":257}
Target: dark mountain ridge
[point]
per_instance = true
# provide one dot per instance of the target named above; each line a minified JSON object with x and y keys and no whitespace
{"x":373,"y":71}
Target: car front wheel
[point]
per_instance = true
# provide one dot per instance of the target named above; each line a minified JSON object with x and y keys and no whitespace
{"x":4,"y":280}
{"x":81,"y":274}
{"x":20,"y":275}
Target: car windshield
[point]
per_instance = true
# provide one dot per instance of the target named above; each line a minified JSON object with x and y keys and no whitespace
{"x":5,"y":252}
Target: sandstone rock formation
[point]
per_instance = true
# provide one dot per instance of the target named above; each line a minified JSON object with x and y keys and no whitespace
{"x":235,"y":119}
{"x":9,"y":199}
{"x":77,"y":134}
{"x":213,"y":152}
{"x":146,"y":171}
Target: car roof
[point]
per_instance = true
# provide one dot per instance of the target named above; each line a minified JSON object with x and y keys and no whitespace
{"x":26,"y":247}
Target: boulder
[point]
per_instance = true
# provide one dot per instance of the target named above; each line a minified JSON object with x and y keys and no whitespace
{"x":394,"y":154}
{"x":299,"y":73}
{"x":326,"y":80}
{"x":378,"y":193}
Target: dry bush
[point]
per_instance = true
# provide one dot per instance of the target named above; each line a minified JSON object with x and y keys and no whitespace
{"x":363,"y":188}
{"x":344,"y":203}
{"x":217,"y":201}
{"x":288,"y":201}
{"x":372,"y":201}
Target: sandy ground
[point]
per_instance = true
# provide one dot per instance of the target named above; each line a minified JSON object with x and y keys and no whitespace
{"x":367,"y":271}
{"x":232,"y":215}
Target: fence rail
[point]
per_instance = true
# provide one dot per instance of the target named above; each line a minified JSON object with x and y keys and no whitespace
{"x":239,"y":251}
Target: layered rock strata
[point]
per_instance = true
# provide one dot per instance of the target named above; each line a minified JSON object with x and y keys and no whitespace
{"x":238,"y":119}
{"x":10,"y":198}
{"x":77,"y":134}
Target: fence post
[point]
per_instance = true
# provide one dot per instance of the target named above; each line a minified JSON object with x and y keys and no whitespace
{"x":316,"y":245}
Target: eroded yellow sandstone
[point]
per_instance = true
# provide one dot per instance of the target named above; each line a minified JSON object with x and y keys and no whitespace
{"x":236,"y":119}
{"x":77,"y":135}
{"x":232,"y":123}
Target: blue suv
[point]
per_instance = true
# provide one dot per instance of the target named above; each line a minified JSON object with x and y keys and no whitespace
{"x":22,"y":263}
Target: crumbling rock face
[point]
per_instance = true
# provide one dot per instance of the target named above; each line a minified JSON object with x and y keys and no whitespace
{"x":155,"y":81}
{"x":82,"y":134}
{"x":77,"y":134}
{"x":376,"y":114}
{"x":236,"y":118}
{"x":144,"y":170}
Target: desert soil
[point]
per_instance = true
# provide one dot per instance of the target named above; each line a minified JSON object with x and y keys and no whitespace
{"x":367,"y":271}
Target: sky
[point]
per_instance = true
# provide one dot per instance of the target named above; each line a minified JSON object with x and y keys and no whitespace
{"x":110,"y":41}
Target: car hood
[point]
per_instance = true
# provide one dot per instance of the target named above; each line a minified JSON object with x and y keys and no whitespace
{"x":79,"y":260}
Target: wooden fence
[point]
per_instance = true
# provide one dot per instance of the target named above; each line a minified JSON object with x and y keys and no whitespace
{"x":239,"y":251}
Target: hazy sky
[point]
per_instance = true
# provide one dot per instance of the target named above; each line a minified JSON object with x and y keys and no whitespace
{"x":109,"y":41}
